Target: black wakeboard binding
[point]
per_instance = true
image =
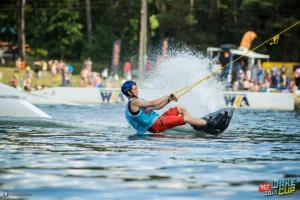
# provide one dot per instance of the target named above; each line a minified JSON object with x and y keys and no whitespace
{"x":217,"y":122}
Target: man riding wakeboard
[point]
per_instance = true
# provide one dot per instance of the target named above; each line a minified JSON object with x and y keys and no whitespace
{"x":141,"y":116}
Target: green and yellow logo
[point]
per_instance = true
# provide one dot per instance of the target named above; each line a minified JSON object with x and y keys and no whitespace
{"x":280,"y":187}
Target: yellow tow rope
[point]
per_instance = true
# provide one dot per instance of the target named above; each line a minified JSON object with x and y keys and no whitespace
{"x":273,"y":40}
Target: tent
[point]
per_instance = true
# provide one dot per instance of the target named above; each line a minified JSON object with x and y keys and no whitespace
{"x":249,"y":54}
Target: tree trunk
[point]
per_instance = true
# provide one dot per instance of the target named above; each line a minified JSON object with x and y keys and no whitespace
{"x":213,"y":18}
{"x":143,"y":39}
{"x":88,"y":20}
{"x":161,"y":7}
{"x":192,"y":4}
{"x":21,"y":32}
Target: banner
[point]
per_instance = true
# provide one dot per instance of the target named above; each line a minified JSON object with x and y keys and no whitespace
{"x":116,"y":57}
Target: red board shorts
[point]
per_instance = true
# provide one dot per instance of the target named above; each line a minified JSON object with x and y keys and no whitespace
{"x":169,"y":119}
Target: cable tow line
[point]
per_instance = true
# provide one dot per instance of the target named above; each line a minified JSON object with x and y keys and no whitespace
{"x":272,"y":41}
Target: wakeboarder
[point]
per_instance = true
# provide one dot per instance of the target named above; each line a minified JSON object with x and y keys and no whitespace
{"x":141,"y":116}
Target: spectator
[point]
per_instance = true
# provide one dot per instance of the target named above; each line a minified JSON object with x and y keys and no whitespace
{"x":27,"y":84}
{"x":70,"y":69}
{"x":110,"y":82}
{"x":241,"y":78}
{"x":254,"y":72}
{"x":294,"y":88}
{"x":60,"y":66}
{"x":44,"y":67}
{"x":297,"y":77}
{"x":235,"y":72}
{"x":265,"y":85}
{"x":255,"y":87}
{"x":275,"y":78}
{"x":268,"y":77}
{"x":248,"y":75}
{"x":20,"y":63}
{"x":36,"y":67}
{"x":64,"y":74}
{"x":84,"y":77}
{"x":259,"y":72}
{"x":28,"y":72}
{"x":127,"y":70}
{"x":116,"y":77}
{"x":247,"y":85}
{"x":23,"y":64}
{"x":240,"y":75}
{"x":14,"y":82}
{"x":104,"y":73}
{"x":97,"y":80}
{"x":235,"y":86}
{"x":283,"y":83}
{"x":88,"y":64}
{"x":53,"y":67}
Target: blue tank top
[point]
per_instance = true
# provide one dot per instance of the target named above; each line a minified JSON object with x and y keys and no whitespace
{"x":142,"y":121}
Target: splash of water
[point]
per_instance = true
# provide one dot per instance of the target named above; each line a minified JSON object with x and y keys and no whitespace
{"x":180,"y":70}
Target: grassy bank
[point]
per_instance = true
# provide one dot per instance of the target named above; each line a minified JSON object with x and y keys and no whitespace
{"x":46,"y":80}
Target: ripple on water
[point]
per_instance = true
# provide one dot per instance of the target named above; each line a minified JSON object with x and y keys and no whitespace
{"x":91,"y":153}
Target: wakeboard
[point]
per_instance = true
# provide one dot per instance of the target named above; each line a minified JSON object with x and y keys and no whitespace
{"x":217,"y":122}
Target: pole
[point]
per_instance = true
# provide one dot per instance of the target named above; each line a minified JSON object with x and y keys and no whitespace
{"x":88,"y":20}
{"x":143,"y":39}
{"x":21,"y":33}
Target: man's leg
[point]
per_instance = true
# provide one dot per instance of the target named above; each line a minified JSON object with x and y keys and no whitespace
{"x":187,"y":116}
{"x":192,"y":120}
{"x":166,"y":122}
{"x":175,"y":111}
{"x":175,"y":117}
{"x":195,"y":121}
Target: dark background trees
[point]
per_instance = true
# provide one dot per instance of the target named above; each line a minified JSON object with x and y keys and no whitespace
{"x":60,"y":29}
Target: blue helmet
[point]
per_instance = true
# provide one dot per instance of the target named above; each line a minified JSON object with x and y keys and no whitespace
{"x":127,"y":87}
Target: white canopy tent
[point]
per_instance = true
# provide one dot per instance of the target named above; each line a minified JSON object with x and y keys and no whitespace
{"x":249,"y":54}
{"x":240,"y":52}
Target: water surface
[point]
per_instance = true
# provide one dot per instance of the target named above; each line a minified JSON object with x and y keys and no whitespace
{"x":89,"y":152}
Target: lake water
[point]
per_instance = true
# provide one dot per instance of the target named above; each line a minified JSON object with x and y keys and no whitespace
{"x":89,"y":152}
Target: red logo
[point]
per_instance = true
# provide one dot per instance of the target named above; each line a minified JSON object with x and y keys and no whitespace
{"x":267,"y":186}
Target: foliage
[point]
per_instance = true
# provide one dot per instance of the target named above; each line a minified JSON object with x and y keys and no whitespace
{"x":39,"y":53}
{"x":59,"y":27}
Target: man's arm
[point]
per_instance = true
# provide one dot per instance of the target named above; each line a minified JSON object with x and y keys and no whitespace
{"x":161,"y":105}
{"x":136,"y":104}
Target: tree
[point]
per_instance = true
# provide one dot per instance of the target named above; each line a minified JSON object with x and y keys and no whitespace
{"x":56,"y":27}
{"x":88,"y":20}
{"x":21,"y":31}
{"x":143,"y":38}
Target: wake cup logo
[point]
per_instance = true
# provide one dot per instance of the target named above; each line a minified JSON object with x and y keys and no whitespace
{"x":281,"y":187}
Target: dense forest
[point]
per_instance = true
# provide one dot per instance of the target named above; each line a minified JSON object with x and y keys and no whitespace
{"x":77,"y":29}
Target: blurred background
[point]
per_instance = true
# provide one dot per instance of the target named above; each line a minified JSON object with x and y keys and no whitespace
{"x":91,"y":43}
{"x":77,"y":29}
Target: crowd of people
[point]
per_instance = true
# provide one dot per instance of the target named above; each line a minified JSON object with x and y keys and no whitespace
{"x":59,"y":69}
{"x":256,"y":79}
{"x":39,"y":69}
{"x":90,"y":78}
{"x":242,"y":77}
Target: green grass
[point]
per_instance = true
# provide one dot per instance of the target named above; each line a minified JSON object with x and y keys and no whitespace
{"x":46,"y":80}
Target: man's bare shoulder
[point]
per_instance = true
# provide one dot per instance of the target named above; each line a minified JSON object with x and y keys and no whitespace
{"x":135,"y":101}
